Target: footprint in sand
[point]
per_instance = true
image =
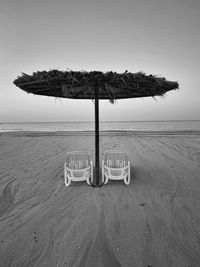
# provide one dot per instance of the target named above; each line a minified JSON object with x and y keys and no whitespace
{"x":35,"y":237}
{"x":142,"y":204}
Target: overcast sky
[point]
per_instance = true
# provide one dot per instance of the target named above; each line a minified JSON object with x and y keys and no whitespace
{"x":155,"y":36}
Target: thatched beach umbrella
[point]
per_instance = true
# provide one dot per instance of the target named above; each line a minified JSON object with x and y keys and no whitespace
{"x":94,"y":85}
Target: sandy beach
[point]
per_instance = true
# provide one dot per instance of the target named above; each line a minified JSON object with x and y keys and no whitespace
{"x":155,"y":221}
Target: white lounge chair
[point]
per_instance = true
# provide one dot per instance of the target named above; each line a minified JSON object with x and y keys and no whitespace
{"x":78,"y":167}
{"x":115,"y":166}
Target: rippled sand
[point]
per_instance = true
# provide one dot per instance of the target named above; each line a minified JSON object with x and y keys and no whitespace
{"x":153,"y":222}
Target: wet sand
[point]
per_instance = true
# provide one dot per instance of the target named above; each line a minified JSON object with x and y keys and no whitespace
{"x":155,"y":221}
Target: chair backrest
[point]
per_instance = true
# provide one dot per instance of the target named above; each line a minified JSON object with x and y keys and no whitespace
{"x":77,"y":160}
{"x":115,"y":159}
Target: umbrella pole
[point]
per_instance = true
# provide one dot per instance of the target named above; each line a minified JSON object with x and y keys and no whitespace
{"x":97,"y":135}
{"x":97,"y":165}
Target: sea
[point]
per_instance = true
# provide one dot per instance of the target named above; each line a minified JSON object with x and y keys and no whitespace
{"x":140,"y":126}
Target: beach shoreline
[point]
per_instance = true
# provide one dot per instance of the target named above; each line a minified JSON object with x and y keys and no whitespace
{"x":101,"y":133}
{"x":154,"y":221}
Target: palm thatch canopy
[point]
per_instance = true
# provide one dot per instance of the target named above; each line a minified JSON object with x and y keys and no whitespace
{"x":82,"y":84}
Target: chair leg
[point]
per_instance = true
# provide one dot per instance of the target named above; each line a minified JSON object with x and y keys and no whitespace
{"x":106,"y":180}
{"x":67,"y":179}
{"x":127,"y":180}
{"x":89,"y":180}
{"x":128,"y":177}
{"x":102,"y":172}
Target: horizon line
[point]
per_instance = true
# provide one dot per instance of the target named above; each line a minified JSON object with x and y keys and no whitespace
{"x":92,"y":121}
